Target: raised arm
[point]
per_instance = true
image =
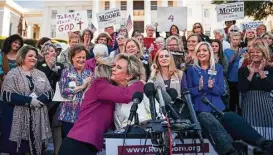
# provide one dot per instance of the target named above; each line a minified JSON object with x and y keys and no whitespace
{"x":107,"y":91}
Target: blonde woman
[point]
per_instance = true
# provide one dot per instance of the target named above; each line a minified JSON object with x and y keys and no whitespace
{"x":205,"y":77}
{"x":255,"y":84}
{"x":249,"y":36}
{"x":164,"y":71}
{"x":132,"y":47}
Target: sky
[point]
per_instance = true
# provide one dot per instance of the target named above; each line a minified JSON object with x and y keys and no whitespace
{"x":29,"y":4}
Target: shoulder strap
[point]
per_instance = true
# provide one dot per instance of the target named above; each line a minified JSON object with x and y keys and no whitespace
{"x":5,"y":64}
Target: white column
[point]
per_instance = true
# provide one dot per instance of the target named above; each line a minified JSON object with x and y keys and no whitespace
{"x":95,"y":10}
{"x":113,"y":4}
{"x":131,"y":12}
{"x":30,"y":31}
{"x":147,"y":10}
{"x":6,"y":23}
{"x":164,"y":3}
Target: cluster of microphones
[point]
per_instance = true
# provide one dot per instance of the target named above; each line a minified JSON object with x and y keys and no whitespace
{"x":172,"y":107}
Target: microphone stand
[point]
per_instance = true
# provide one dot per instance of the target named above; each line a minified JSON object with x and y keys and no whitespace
{"x":136,"y":119}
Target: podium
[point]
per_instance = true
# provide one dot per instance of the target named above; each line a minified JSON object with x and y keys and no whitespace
{"x":138,"y":143}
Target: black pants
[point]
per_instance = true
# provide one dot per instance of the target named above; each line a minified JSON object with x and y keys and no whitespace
{"x":234,"y":97}
{"x":74,"y":147}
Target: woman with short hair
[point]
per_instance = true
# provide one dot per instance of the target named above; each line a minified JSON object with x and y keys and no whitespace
{"x":74,"y":80}
{"x":255,"y":84}
{"x":96,"y":115}
{"x":25,"y":93}
{"x":53,"y":71}
{"x":86,"y":38}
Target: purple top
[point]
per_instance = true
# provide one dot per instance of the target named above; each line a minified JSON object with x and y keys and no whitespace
{"x":97,"y":110}
{"x":90,"y":65}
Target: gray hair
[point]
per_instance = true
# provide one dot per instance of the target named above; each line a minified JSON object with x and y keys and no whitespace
{"x":234,"y":27}
{"x":22,"y":52}
{"x":100,"y":50}
{"x":46,"y":47}
{"x":135,"y":66}
{"x":211,"y":61}
{"x":149,"y":26}
{"x":221,"y":31}
{"x":173,"y":37}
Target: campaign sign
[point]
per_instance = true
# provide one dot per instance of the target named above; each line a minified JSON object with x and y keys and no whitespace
{"x":109,"y":18}
{"x":230,"y":11}
{"x":168,"y":16}
{"x":250,"y":25}
{"x":70,"y":22}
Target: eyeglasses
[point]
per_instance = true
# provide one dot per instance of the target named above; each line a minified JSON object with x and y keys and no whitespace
{"x":233,"y":30}
{"x":196,"y":27}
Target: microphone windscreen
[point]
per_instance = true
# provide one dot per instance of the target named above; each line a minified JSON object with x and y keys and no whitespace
{"x":217,"y":132}
{"x":205,"y":100}
{"x":173,"y":93}
{"x":159,"y":85}
{"x":149,"y":89}
{"x":166,"y":97}
{"x":138,"y":95}
{"x":238,"y":128}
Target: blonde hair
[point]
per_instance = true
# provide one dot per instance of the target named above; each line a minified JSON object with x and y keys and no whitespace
{"x":249,"y":30}
{"x":140,"y":52}
{"x":104,"y":68}
{"x":211,"y":61}
{"x":262,"y":48}
{"x":172,"y":67}
{"x":135,"y":66}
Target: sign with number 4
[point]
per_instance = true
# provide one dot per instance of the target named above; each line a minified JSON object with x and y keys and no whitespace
{"x":168,"y":16}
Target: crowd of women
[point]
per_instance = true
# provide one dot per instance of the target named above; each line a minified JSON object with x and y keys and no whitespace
{"x":96,"y":83}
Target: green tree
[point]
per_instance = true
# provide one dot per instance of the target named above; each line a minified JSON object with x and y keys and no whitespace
{"x":256,"y":9}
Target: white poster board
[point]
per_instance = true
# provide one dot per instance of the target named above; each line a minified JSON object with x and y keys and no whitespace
{"x":109,"y":18}
{"x":230,"y":11}
{"x":70,"y":22}
{"x":168,"y":16}
{"x":250,"y":25}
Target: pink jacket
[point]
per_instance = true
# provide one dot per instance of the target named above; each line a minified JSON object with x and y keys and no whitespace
{"x":97,"y":110}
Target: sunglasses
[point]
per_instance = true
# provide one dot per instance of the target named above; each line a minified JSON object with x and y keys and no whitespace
{"x":196,"y":27}
{"x":233,"y":30}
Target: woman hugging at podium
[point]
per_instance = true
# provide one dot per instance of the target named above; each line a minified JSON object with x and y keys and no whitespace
{"x":113,"y":84}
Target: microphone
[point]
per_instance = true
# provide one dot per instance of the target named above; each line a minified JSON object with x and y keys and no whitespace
{"x":197,"y":127}
{"x":172,"y":93}
{"x":208,"y":103}
{"x":217,"y":132}
{"x":168,"y":100}
{"x":150,"y":92}
{"x":137,"y":98}
{"x":238,"y":128}
{"x":159,"y":86}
